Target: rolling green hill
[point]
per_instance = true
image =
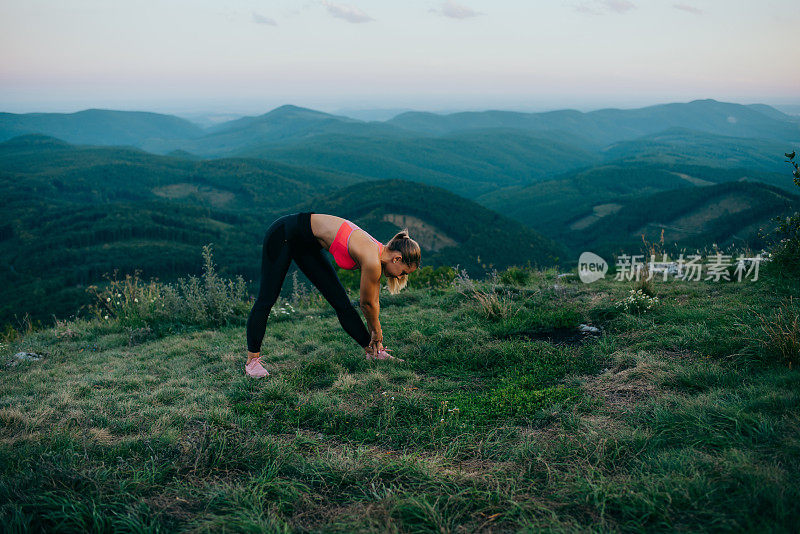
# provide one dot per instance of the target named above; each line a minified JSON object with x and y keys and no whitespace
{"x":281,"y":125}
{"x":684,"y":146}
{"x":73,"y":213}
{"x":100,"y":127}
{"x":610,"y":205}
{"x":466,"y":163}
{"x":730,"y":213}
{"x":87,"y":174}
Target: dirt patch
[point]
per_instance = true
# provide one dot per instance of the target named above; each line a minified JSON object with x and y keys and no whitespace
{"x":621,"y":388}
{"x":693,"y":179}
{"x":598,"y":212}
{"x":426,"y":234}
{"x":204,"y":193}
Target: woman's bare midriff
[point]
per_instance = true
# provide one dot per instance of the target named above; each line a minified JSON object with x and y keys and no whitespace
{"x":324,"y":227}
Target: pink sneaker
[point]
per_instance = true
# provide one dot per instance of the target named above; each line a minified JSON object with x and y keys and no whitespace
{"x":383,"y":355}
{"x":254,"y":368}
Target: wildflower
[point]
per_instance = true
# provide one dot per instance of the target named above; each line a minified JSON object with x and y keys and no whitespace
{"x":392,"y":398}
{"x":108,"y":299}
{"x":119,"y":295}
{"x":135,"y":300}
{"x":441,"y":420}
{"x":106,"y":316}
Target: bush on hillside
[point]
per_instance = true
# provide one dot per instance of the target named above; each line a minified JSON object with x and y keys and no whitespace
{"x":784,"y":254}
{"x":514,"y":275}
{"x":205,"y":301}
{"x":776,"y":335}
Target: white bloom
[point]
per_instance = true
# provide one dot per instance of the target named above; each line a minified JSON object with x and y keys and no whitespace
{"x":135,"y":300}
{"x":106,"y":316}
{"x":108,"y":299}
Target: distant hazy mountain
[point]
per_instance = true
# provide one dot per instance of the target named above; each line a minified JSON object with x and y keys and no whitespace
{"x":377,"y":114}
{"x":100,"y":127}
{"x":611,"y":125}
{"x":294,"y":125}
{"x":88,"y":174}
{"x":281,"y":125}
{"x":467,"y":163}
{"x":681,"y":145}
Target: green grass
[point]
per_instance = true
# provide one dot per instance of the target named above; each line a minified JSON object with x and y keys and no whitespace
{"x":677,"y":418}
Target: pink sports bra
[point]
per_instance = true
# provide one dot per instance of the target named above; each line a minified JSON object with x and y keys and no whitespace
{"x":339,"y":247}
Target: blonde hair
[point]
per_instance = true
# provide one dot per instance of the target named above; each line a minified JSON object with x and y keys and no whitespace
{"x":411,"y":255}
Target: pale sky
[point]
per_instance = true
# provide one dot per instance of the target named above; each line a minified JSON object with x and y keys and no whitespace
{"x":246,"y":56}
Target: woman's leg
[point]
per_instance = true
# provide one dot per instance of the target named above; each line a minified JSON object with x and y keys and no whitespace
{"x":275,"y":260}
{"x":321,"y":273}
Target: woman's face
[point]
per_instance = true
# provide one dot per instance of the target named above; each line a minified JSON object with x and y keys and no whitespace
{"x":395,"y":267}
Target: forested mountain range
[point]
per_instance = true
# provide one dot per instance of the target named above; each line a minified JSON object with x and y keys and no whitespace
{"x":479,"y":189}
{"x":72,"y":214}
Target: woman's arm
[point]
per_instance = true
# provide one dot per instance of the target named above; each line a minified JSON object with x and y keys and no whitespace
{"x":369,"y":301}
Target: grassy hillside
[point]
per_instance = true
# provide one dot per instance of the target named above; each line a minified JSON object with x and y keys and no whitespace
{"x":680,"y":418}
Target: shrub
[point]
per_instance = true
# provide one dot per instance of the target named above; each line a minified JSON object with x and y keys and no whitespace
{"x":783,"y":257}
{"x":302,"y":296}
{"x":427,"y":276}
{"x":515,"y":275}
{"x":777,"y":334}
{"x":493,"y":302}
{"x":783,"y":254}
{"x":206,"y":301}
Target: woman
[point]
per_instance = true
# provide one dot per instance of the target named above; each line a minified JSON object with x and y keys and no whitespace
{"x":302,"y":237}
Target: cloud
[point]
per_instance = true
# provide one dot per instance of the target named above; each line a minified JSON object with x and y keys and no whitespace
{"x":615,"y":6}
{"x":619,"y":6}
{"x":690,"y":9}
{"x":348,"y":13}
{"x":456,"y":11}
{"x":261,"y":19}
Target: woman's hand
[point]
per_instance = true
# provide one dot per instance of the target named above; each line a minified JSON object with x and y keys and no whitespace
{"x":376,"y":343}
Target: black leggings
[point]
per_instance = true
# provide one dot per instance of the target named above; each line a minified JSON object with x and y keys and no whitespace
{"x":290,"y":238}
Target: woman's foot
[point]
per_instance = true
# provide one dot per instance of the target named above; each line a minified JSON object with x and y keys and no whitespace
{"x":382,"y":355}
{"x":254,"y":368}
